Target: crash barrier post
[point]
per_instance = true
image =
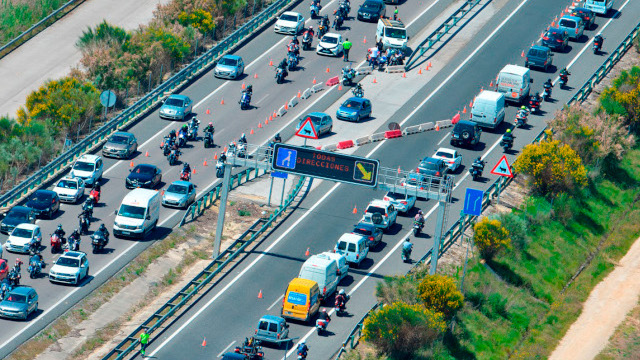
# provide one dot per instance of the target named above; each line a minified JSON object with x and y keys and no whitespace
{"x":187,"y":293}
{"x":38,"y":27}
{"x":134,"y":112}
{"x":438,"y":33}
{"x":458,"y":228}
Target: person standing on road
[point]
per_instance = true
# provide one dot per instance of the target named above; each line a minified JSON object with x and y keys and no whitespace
{"x":346,"y":46}
{"x":144,"y":340}
{"x":395,"y":14}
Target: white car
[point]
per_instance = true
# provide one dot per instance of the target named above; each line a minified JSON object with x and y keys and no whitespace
{"x":89,"y":168}
{"x":70,"y":189}
{"x":403,"y":202}
{"x":341,"y":262}
{"x":289,"y":23}
{"x":330,"y":44}
{"x":70,"y":268}
{"x":451,"y":157}
{"x":21,"y":236}
{"x":382,"y":214}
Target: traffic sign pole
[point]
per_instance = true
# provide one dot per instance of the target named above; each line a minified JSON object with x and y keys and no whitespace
{"x":223,"y":208}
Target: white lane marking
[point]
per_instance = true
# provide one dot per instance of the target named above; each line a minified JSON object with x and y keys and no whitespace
{"x":275,"y":302}
{"x":225,"y":349}
{"x":444,"y":137}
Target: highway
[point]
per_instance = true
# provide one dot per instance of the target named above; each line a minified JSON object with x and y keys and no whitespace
{"x":229,"y":313}
{"x":207,"y":93}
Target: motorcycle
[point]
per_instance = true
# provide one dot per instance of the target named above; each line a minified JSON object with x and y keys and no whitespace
{"x":5,"y":289}
{"x":546,"y":94}
{"x":182,"y":140}
{"x":208,"y":140}
{"x":337,"y":23}
{"x":597,"y":46}
{"x":280,"y":76}
{"x":166,"y":147}
{"x":417,"y":227}
{"x":302,"y":355}
{"x":35,"y":268}
{"x":534,"y":105}
{"x":34,"y":246}
{"x":521,"y":119}
{"x":73,"y":244}
{"x":345,"y":9}
{"x":396,"y":59}
{"x":506,"y":144}
{"x":341,"y":306}
{"x":564,"y":80}
{"x":476,"y":170}
{"x":406,"y":255}
{"x":219,"y":169}
{"x":98,"y":241}
{"x":322,"y":30}
{"x":192,"y":134}
{"x":245,"y":101}
{"x":306,"y":41}
{"x":14,"y":277}
{"x":94,"y":195}
{"x":347,"y":76}
{"x":83,"y":223}
{"x":321,"y":326}
{"x":173,"y":157}
{"x":56,"y":243}
{"x":185,"y":175}
{"x":314,"y":10}
{"x":292,"y":61}
{"x":358,"y":91}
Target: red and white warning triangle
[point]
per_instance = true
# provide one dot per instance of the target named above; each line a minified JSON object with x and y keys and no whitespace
{"x":502,"y":168}
{"x":307,"y":130}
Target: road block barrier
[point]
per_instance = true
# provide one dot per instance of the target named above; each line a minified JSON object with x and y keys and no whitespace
{"x":317,"y":87}
{"x":333,"y":81}
{"x":394,"y":69}
{"x":363,"y":140}
{"x":391,"y":134}
{"x":306,"y":94}
{"x":293,"y":102}
{"x":281,"y":111}
{"x":345,"y":144}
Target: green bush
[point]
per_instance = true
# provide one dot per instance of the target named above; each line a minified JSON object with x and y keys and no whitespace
{"x":517,"y":228}
{"x":398,"y":289}
{"x":15,"y":18}
{"x":490,"y":237}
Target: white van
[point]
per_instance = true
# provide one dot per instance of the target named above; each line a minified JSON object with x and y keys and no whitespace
{"x":138,"y":214}
{"x":392,"y":33}
{"x":488,"y":109}
{"x":353,"y":247}
{"x":323,"y":271}
{"x":341,"y":263}
{"x":601,"y":7}
{"x":514,"y":82}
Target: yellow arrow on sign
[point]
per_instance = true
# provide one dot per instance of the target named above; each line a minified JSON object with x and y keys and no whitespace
{"x":365,"y":175}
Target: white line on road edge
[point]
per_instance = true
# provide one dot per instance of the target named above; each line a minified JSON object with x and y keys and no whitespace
{"x":275,"y":302}
{"x":227,"y":348}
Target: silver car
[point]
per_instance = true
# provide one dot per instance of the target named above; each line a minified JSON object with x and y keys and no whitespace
{"x":403,"y":202}
{"x":19,"y":303}
{"x":179,"y":194}
{"x":322,"y":123}
{"x":229,"y":67}
{"x":120,"y":145}
{"x":176,"y":107}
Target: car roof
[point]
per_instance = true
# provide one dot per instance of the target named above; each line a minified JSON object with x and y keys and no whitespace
{"x":272,"y":318}
{"x":332,"y":35}
{"x":73,"y":254}
{"x":555,"y":29}
{"x":22,"y":290}
{"x":540,"y":48}
{"x":357,"y":99}
{"x":581,"y":9}
{"x":234,"y":57}
{"x":181,"y":183}
{"x":331,"y":255}
{"x":122,"y":133}
{"x":466,"y":122}
{"x":46,"y":192}
{"x":146,"y":166}
{"x":21,"y":209}
{"x":514,"y":69}
{"x":378,"y":202}
{"x":574,"y":18}
{"x":349,"y":237}
{"x":430,"y":159}
{"x":447,"y":150}
{"x":28,"y":226}
{"x":364,"y":224}
{"x":234,"y":356}
{"x":315,"y":113}
{"x":179,"y":97}
{"x":416,"y":176}
{"x":290,"y":13}
{"x":89,"y":158}
{"x":373,"y":1}
{"x":70,"y":178}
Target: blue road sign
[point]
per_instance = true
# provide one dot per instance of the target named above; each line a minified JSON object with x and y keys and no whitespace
{"x":279,"y":174}
{"x":286,"y":158}
{"x":473,"y":202}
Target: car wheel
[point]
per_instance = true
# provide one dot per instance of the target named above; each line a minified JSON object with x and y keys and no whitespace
{"x":358,"y":118}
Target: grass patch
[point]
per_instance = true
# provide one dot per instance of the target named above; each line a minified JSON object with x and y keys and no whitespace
{"x":244,"y":213}
{"x":625,"y":342}
{"x":18,"y":16}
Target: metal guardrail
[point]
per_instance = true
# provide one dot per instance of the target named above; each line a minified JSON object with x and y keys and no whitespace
{"x":188,"y":292}
{"x":457,"y":229}
{"x":39,"y":26}
{"x":133,"y":112}
{"x":441,"y":31}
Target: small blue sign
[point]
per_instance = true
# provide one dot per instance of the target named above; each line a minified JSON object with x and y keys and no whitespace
{"x":279,"y":174}
{"x":473,"y":202}
{"x":286,"y":158}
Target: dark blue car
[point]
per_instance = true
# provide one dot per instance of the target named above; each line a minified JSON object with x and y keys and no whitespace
{"x":354,"y":109}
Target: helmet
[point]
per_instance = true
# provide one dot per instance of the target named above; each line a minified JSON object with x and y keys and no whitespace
{"x":60,"y":226}
{"x":508,"y":131}
{"x":341,"y":292}
{"x":537,"y":93}
{"x":549,"y":80}
{"x":523,"y":107}
{"x":302,"y":342}
{"x":211,"y":123}
{"x":311,"y":28}
{"x":249,"y":87}
{"x":324,"y":311}
{"x":420,"y":212}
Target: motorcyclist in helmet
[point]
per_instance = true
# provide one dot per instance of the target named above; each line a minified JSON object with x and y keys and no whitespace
{"x":310,"y":31}
{"x":210,"y":128}
{"x":407,"y":246}
{"x":283,"y":67}
{"x":75,"y":234}
{"x":172,"y":135}
{"x":478,"y":163}
{"x":36,"y":260}
{"x":59,"y":231}
{"x":325,"y":316}
{"x":186,"y":168}
{"x":277,"y":138}
{"x":523,"y":112}
{"x":325,"y":21}
{"x":96,"y":186}
{"x":341,"y":299}
{"x":548,"y":84}
{"x":103,"y":229}
{"x":419,"y":218}
{"x":303,"y":349}
{"x":243,"y":139}
{"x":599,"y":41}
{"x":508,"y":136}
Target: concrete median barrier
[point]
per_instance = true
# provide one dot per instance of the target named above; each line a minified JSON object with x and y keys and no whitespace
{"x":281,"y":111}
{"x":306,"y":94}
{"x":317,"y":87}
{"x":377,"y":137}
{"x":427,"y":126}
{"x":412,"y":130}
{"x":330,"y":147}
{"x":333,"y":81}
{"x":394,"y":69}
{"x":293,"y":102}
{"x":363,"y":140}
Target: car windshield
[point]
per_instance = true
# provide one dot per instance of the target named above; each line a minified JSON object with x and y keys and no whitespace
{"x":119,"y":139}
{"x":330,"y":39}
{"x":352,"y":104}
{"x":177,"y":189}
{"x":414,"y":179}
{"x":429,"y":165}
{"x":68,"y":184}
{"x":395,"y":33}
{"x":130,"y":211}
{"x":228,"y":61}
{"x":567,"y":23}
{"x":362,"y":231}
{"x":288,"y":17}
{"x":65,"y":261}
{"x":174,"y":102}
{"x":18,"y":214}
{"x":40,"y":198}
{"x":23,"y":233}
{"x":83,"y":166}
{"x":17,"y":298}
{"x":444,"y":154}
{"x":145,"y":170}
{"x":375,"y":209}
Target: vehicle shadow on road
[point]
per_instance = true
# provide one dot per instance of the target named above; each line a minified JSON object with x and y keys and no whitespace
{"x":281,"y":256}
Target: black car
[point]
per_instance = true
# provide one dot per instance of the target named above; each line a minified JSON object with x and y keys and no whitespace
{"x":16,"y":216}
{"x":465,"y":133}
{"x":556,"y":39}
{"x":539,"y":56}
{"x":588,"y":16}
{"x":372,"y":10}
{"x":433,"y":167}
{"x":44,"y":203}
{"x":144,"y":176}
{"x":372,"y":233}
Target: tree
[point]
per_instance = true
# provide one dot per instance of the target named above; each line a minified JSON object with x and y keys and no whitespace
{"x":490,"y":237}
{"x":400,"y":329}
{"x":440,"y":294}
{"x":553,"y":167}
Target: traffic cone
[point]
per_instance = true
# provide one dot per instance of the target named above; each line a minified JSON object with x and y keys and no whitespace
{"x":194,"y":171}
{"x":251,"y":132}
{"x":375,"y":81}
{"x":522,"y":55}
{"x":146,"y":154}
{"x":365,"y":40}
{"x":259,"y":125}
{"x":430,"y":65}
{"x":225,"y":149}
{"x":556,"y":19}
{"x":204,"y":342}
{"x":215,"y":156}
{"x":286,"y":106}
{"x":222,"y":101}
{"x":275,"y":115}
{"x":553,"y":24}
{"x":299,"y":94}
{"x":162,"y":191}
{"x":266,"y":121}
{"x":420,"y":71}
{"x":481,"y":88}
{"x":270,"y":117}
{"x":162,"y":144}
{"x":243,"y":86}
{"x":270,"y":62}
{"x":208,"y":112}
{"x":255,"y":76}
{"x":307,"y":253}
{"x":328,"y":70}
{"x":131,"y":163}
{"x":398,"y":169}
{"x":404,"y":75}
{"x":314,"y":81}
{"x":260,"y":294}
{"x":491,"y":83}
{"x":470,"y":104}
{"x":204,"y":163}
{"x":355,"y":209}
{"x":339,"y":87}
{"x":437,"y":127}
{"x":464,"y":111}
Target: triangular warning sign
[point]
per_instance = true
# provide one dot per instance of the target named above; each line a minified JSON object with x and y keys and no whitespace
{"x":502,"y":168}
{"x":307,"y":130}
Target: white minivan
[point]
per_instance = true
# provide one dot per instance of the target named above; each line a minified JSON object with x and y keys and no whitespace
{"x":341,"y":263}
{"x":488,"y":109}
{"x":138,"y":214}
{"x":353,"y":247}
{"x":324,"y":272}
{"x":515,"y":83}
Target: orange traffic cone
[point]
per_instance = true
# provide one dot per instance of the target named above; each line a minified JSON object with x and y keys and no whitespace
{"x":275,"y":115}
{"x":464,"y":111}
{"x":243,"y":86}
{"x":365,"y":40}
{"x":204,"y":163}
{"x":225,"y":149}
{"x":286,"y":106}
{"x":328,"y":70}
{"x":437,"y":127}
{"x":399,"y":170}
{"x":470,"y":104}
{"x":131,"y":163}
{"x":251,"y":132}
{"x":208,"y":112}
{"x":375,"y":81}
{"x":222,"y":101}
{"x":522,"y":55}
{"x":491,"y":83}
{"x":260,"y":294}
{"x":260,"y":125}
{"x":307,"y":253}
{"x":270,"y":62}
{"x":162,"y":191}
{"x":193,"y":171}
{"x":420,"y":71}
{"x":146,"y":154}
{"x":215,"y":157}
{"x":204,"y":342}
{"x":430,"y":65}
{"x":299,"y":94}
{"x":271,"y":118}
{"x":255,"y":76}
{"x":355,"y":209}
{"x":266,"y":121}
{"x":339,"y":87}
{"x":314,"y":81}
{"x":162,"y":144}
{"x":404,"y":75}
